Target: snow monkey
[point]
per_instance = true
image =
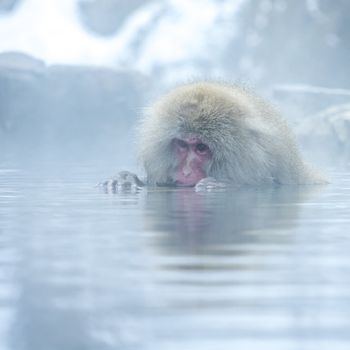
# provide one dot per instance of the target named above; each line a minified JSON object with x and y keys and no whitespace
{"x":211,"y":134}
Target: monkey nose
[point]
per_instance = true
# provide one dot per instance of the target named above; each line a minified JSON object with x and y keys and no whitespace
{"x":186,"y":170}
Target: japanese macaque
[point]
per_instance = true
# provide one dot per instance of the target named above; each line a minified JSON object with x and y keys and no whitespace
{"x":210,"y":134}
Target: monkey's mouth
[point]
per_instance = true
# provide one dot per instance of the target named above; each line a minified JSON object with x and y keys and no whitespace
{"x":175,"y":183}
{"x":181,"y":184}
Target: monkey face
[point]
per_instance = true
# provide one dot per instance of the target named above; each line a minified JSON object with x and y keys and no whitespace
{"x":192,"y":158}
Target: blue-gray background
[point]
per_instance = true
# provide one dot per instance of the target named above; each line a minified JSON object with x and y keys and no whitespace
{"x":164,"y":269}
{"x":73,"y":74}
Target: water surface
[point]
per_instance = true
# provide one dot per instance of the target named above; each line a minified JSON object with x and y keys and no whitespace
{"x":170,"y":269}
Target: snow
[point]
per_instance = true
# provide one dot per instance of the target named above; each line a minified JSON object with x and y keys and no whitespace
{"x":302,"y":88}
{"x":50,"y":30}
{"x":158,"y":33}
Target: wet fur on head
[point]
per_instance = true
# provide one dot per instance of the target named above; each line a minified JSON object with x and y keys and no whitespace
{"x":250,"y":142}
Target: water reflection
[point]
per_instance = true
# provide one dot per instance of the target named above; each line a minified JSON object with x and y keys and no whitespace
{"x":170,"y":269}
{"x":217,"y":222}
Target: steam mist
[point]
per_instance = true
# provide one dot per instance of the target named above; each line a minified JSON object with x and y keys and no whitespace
{"x":75,"y":75}
{"x":168,"y":268}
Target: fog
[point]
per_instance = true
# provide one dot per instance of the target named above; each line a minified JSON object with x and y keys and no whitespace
{"x":75,"y":75}
{"x":168,"y":268}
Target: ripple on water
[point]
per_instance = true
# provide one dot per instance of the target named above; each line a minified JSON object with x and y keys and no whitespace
{"x":175,"y":269}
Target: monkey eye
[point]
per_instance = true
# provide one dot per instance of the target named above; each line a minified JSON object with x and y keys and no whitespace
{"x":202,"y":148}
{"x":181,"y":144}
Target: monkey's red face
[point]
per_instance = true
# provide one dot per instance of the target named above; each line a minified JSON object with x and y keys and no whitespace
{"x":193,"y":157}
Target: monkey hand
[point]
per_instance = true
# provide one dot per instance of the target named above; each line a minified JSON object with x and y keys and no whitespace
{"x":208,"y":184}
{"x":123,"y":181}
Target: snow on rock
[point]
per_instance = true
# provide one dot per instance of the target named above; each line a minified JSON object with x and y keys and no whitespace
{"x":182,"y":35}
{"x":19,"y":63}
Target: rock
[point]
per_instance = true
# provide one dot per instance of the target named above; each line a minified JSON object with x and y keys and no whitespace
{"x":71,"y":110}
{"x":327,"y":134}
{"x":300,"y":100}
{"x":21,"y":79}
{"x":17,"y":61}
{"x":8,"y":5}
